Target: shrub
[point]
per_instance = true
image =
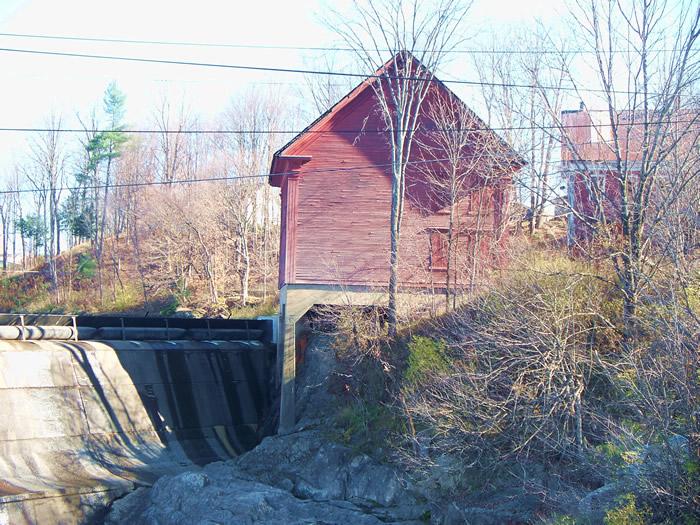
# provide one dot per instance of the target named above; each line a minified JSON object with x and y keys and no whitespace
{"x":367,"y":425}
{"x":359,"y":332}
{"x":522,"y":359}
{"x":170,"y":309}
{"x":126,"y":298}
{"x":627,"y":512}
{"x":426,"y":357}
{"x":561,"y":519}
{"x":87,"y":266}
{"x":616,"y":456}
{"x":269,"y":307}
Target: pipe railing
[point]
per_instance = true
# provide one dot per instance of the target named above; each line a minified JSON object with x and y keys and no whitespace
{"x":32,"y":327}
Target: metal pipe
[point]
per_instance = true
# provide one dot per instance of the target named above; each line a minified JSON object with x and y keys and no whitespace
{"x":37,"y":333}
{"x":129,"y":333}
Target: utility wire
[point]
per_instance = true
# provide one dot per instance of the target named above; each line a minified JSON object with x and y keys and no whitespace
{"x":296,"y":48}
{"x":430,"y":78}
{"x":229,"y":177}
{"x":340,"y":131}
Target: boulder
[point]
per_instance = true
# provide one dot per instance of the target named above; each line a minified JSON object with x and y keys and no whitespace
{"x":456,"y":515}
{"x":221,"y":495}
{"x":595,"y":504}
{"x":312,"y":467}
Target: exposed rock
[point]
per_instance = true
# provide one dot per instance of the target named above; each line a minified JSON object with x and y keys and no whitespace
{"x":312,"y":467}
{"x":513,"y":505}
{"x":446,"y":475}
{"x":595,"y":504}
{"x":219,"y":494}
{"x":313,"y":400}
{"x":659,"y":459}
{"x":475,"y":516}
{"x":658,"y":463}
{"x":130,"y":507}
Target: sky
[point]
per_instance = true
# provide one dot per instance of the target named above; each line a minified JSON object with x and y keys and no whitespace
{"x":33,"y":87}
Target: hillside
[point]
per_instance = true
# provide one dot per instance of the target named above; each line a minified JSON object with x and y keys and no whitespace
{"x":126,"y":289}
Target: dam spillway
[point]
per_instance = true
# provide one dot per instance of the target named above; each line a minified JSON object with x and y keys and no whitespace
{"x":83,"y":421}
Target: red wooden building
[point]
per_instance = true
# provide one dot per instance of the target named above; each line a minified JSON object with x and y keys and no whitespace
{"x":335,"y":184}
{"x":591,"y":167}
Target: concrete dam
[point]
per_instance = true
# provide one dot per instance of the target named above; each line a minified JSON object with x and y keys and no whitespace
{"x":91,"y":407}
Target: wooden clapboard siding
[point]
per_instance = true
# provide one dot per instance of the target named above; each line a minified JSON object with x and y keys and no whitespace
{"x":343,"y":216}
{"x":336,"y":196}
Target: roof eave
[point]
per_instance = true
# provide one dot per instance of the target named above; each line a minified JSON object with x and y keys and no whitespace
{"x":285,"y":165}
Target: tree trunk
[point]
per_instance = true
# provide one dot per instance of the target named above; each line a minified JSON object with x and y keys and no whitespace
{"x":578,"y":415}
{"x":14,"y":244}
{"x":57,"y":223}
{"x":449,"y":252}
{"x":394,"y":259}
{"x":52,"y":242}
{"x":5,"y":239}
{"x":24,"y":250}
{"x":245,"y":279}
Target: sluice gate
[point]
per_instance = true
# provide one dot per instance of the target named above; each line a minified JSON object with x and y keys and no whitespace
{"x":92,"y":406}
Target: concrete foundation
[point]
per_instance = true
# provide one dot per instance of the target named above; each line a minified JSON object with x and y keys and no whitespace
{"x":295,"y":301}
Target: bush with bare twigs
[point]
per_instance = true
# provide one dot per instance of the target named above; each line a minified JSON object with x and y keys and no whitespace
{"x":524,"y":360}
{"x":534,"y":370}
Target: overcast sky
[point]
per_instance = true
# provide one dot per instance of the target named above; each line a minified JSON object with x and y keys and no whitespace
{"x":33,"y":86}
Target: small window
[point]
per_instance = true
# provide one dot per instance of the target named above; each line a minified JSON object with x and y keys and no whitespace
{"x":438,"y":250}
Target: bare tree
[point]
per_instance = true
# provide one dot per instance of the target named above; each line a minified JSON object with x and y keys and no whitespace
{"x":172,"y":151}
{"x":648,"y":118}
{"x":464,"y":168}
{"x":543,"y":108}
{"x":48,"y":156}
{"x":324,"y":90}
{"x":8,"y":210}
{"x":247,"y":201}
{"x":521,"y":363}
{"x":523,"y":95}
{"x":416,"y":37}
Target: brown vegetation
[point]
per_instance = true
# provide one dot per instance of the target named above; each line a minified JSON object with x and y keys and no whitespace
{"x":140,"y":224}
{"x":172,"y":260}
{"x":532,"y":372}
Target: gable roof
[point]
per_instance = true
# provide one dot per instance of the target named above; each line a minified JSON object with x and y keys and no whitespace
{"x":286,"y":158}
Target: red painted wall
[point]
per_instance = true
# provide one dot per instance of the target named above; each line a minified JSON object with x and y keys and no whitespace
{"x":335,"y":212}
{"x":589,"y":153}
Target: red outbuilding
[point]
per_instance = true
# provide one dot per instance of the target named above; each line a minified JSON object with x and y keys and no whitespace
{"x":595,"y":162}
{"x":335,"y":183}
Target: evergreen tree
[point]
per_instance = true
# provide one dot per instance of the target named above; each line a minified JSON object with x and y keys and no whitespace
{"x":102,"y":149}
{"x":33,"y":229}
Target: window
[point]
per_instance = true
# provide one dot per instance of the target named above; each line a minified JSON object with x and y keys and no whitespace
{"x":438,"y":250}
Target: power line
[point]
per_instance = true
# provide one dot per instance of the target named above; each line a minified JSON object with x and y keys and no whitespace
{"x":592,"y":125}
{"x":227,"y":177}
{"x":240,"y":67}
{"x":182,"y":43}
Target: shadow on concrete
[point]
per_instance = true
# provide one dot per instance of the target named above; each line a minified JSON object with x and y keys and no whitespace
{"x":96,"y":418}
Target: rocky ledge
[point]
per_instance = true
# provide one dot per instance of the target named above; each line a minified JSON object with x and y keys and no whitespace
{"x":296,"y":478}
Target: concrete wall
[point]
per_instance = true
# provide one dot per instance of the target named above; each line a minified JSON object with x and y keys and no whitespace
{"x":81,"y":422}
{"x":296,"y":300}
